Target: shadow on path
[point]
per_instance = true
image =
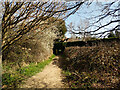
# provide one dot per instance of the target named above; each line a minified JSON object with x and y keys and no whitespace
{"x":50,"y":77}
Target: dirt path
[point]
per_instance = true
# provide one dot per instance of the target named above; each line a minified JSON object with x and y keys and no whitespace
{"x":50,"y":77}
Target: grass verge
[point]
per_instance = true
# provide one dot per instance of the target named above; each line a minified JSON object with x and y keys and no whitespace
{"x":13,"y":79}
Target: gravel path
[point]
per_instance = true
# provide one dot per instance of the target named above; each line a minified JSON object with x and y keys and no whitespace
{"x":50,"y":77}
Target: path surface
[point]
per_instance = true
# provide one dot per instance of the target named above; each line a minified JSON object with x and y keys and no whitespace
{"x":50,"y":77}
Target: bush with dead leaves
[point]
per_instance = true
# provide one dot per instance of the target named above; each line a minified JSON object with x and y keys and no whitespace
{"x":93,"y":67}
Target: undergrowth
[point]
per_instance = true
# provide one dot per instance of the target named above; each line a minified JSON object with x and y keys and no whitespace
{"x":14,"y":78}
{"x":92,"y":67}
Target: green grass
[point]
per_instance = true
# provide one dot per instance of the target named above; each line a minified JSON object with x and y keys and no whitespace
{"x":32,"y":69}
{"x":15,"y":78}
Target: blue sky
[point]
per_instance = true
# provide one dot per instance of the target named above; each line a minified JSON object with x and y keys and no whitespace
{"x":88,"y":12}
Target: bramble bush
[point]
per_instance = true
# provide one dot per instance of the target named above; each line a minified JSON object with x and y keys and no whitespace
{"x":93,"y":67}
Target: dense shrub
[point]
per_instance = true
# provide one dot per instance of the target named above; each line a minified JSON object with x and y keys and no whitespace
{"x":36,"y":45}
{"x":93,"y":67}
{"x":76,"y":43}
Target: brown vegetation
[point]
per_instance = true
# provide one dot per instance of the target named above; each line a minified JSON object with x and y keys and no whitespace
{"x":93,"y":67}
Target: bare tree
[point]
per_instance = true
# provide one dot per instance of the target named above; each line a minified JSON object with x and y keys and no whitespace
{"x":19,"y":18}
{"x":108,"y":20}
{"x":70,"y":30}
{"x":80,"y":30}
{"x":110,"y":13}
